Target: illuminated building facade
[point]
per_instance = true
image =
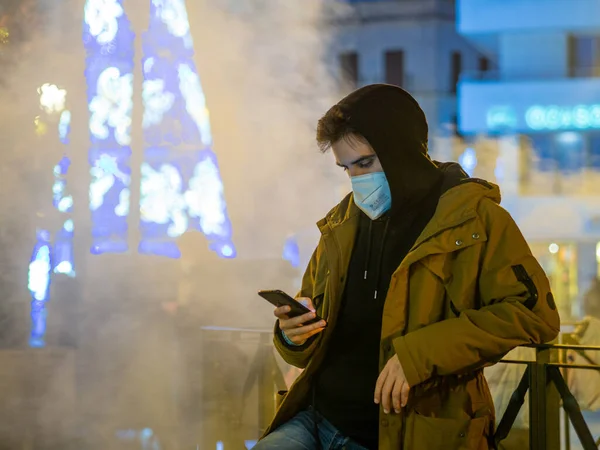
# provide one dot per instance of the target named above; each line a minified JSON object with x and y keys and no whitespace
{"x":542,"y":107}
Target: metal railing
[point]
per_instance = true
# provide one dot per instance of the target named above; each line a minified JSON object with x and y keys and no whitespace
{"x":544,"y":380}
{"x":257,"y":393}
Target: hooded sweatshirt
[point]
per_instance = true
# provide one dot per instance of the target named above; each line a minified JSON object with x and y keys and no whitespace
{"x":395,"y":126}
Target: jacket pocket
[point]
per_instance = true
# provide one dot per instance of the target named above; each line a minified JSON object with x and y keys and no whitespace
{"x":462,"y":291}
{"x":279,"y":398}
{"x":434,"y":433}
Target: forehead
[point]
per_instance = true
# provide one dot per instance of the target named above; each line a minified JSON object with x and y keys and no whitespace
{"x":350,"y":148}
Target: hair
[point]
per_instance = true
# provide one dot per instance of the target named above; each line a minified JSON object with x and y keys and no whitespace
{"x":333,"y":127}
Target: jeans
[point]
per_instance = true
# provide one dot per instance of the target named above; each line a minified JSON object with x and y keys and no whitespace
{"x":299,"y":434}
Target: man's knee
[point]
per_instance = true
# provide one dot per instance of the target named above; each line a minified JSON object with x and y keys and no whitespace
{"x":281,"y":441}
{"x":296,"y":434}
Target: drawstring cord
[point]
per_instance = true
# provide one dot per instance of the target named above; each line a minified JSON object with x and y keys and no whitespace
{"x":380,"y":259}
{"x":368,"y":248}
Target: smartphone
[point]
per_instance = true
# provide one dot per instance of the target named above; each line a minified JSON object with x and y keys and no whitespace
{"x":279,"y":298}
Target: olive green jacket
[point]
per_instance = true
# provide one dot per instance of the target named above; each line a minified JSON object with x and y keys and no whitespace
{"x":467,"y":292}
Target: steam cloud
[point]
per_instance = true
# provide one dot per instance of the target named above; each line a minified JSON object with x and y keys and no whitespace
{"x":126,"y":347}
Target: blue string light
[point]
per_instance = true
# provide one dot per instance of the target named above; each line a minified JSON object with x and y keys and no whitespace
{"x":181,"y":186}
{"x":109,"y":43}
{"x":291,"y":251}
{"x":38,"y":282}
{"x":45,"y":257}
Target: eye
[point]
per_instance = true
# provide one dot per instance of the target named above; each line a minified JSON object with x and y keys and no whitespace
{"x":366,"y":163}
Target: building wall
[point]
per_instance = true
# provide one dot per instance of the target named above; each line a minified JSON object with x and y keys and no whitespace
{"x":527,"y":55}
{"x":427,"y":40}
{"x":447,"y":42}
{"x":481,"y":17}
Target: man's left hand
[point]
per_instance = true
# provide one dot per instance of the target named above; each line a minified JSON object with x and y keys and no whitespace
{"x":392,"y":388}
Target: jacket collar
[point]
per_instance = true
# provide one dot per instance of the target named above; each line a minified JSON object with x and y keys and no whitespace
{"x":344,"y":213}
{"x":456,"y":206}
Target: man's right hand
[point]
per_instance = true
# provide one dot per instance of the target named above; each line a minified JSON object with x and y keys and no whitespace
{"x":293,"y":327}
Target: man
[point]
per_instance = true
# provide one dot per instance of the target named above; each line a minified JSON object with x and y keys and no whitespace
{"x":423,"y":280}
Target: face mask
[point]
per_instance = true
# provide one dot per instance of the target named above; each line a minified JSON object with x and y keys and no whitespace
{"x":372,"y":194}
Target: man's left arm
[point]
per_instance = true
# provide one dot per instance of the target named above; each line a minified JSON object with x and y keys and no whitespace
{"x":517,"y":308}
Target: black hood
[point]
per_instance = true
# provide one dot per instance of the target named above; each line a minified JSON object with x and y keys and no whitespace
{"x":393,"y":123}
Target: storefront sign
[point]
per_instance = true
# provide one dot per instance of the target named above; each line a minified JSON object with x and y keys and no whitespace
{"x":540,"y":118}
{"x":580,"y":117}
{"x":501,"y":117}
{"x":513,"y":106}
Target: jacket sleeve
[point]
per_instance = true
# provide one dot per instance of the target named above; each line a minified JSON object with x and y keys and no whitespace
{"x":517,"y":308}
{"x":300,"y":355}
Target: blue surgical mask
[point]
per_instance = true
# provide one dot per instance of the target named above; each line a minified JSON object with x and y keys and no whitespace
{"x":372,"y":194}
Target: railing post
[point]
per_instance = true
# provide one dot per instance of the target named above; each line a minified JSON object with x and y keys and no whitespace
{"x":553,"y":408}
{"x":537,"y":401}
{"x":266,"y":407}
{"x":566,"y":338}
{"x":544,"y":405}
